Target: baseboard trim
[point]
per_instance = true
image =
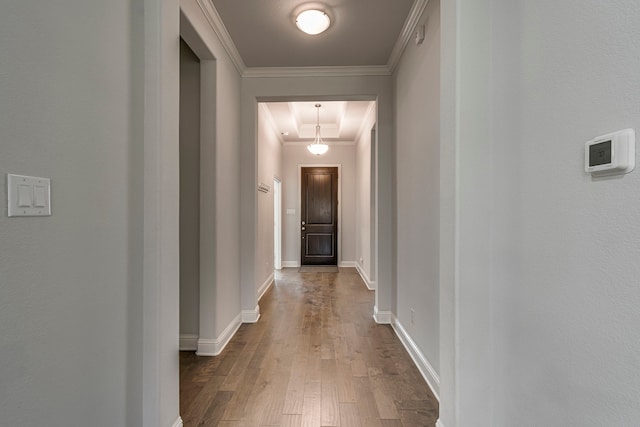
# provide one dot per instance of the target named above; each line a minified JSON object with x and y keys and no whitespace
{"x":439,"y":423}
{"x":251,"y":316}
{"x":207,"y":347}
{"x":188,"y":342}
{"x":178,"y":422}
{"x":265,"y":286}
{"x":428,"y":373}
{"x":381,"y":317}
{"x":371,"y":285}
{"x":347,"y":264}
{"x":290,"y":264}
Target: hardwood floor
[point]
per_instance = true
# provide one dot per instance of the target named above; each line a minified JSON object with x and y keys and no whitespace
{"x":315,"y":358}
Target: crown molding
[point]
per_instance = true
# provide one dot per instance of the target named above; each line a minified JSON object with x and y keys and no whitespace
{"x":371,"y":110}
{"x":212,"y":16}
{"x":266,"y":113}
{"x":407,"y":32}
{"x":337,"y":71}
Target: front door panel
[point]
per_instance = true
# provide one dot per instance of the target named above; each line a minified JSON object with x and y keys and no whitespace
{"x":319,"y":224}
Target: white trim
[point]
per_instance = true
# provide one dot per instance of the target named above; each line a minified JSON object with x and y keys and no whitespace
{"x":439,"y":423}
{"x":213,"y":18}
{"x":277,"y":223}
{"x":407,"y":33}
{"x":214,"y":347}
{"x":428,"y":373}
{"x":382,"y":317}
{"x":188,"y":342}
{"x":177,"y":423}
{"x":251,"y":316}
{"x":210,"y":12}
{"x":266,"y":114}
{"x":348,"y":264}
{"x":370,"y":114}
{"x":265,"y":286}
{"x":371,"y":285}
{"x":290,"y":264}
{"x":331,"y":71}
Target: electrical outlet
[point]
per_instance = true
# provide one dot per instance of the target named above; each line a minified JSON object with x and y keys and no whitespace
{"x":413,"y":316}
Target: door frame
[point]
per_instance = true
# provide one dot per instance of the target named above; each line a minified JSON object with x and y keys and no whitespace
{"x":299,"y":213}
{"x":277,"y":223}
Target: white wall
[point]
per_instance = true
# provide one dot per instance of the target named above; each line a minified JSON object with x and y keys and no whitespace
{"x":294,"y":155}
{"x":365,"y":200}
{"x":71,"y":305}
{"x":417,"y":115}
{"x":269,"y":167}
{"x":189,"y":191}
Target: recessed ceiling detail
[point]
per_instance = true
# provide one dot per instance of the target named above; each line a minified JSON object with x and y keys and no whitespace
{"x":339,"y":120}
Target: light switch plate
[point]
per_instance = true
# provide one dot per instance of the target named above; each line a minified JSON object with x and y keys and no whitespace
{"x":28,"y":195}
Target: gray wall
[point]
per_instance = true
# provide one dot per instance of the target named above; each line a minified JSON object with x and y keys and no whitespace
{"x":539,"y":273}
{"x":70,"y":305}
{"x":365,"y":201}
{"x":189,"y":190}
{"x":219,"y":185}
{"x":566,"y":246}
{"x":417,"y":114}
{"x":269,"y":166}
{"x":294,"y":155}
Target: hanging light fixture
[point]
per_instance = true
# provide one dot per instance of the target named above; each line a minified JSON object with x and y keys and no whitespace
{"x":318,"y":147}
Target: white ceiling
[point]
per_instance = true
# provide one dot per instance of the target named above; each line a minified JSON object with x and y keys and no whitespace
{"x":340,"y":121}
{"x":362,"y":32}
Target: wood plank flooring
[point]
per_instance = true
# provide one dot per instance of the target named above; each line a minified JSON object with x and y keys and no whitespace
{"x":316,"y":358}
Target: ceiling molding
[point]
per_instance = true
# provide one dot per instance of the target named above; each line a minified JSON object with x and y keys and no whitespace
{"x":266,"y":113}
{"x":212,"y":16}
{"x":371,"y":110}
{"x":407,"y":32}
{"x":366,"y":70}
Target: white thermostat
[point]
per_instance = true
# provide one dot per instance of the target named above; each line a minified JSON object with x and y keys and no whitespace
{"x":611,"y":154}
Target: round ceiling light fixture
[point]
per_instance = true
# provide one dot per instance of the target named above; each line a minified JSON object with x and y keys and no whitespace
{"x":313,"y":21}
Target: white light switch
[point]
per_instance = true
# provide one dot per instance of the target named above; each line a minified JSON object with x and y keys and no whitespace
{"x":40,"y":196}
{"x":28,"y":195}
{"x":291,"y":211}
{"x":25,"y":192}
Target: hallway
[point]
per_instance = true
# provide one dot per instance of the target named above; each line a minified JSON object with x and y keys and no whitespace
{"x":315,"y":358}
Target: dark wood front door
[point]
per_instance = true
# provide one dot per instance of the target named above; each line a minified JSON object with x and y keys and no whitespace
{"x":319,"y":224}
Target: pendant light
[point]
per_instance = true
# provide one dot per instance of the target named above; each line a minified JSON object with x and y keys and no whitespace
{"x":318,"y":147}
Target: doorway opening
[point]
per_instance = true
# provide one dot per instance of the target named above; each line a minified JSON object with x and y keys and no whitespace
{"x":277,"y":224}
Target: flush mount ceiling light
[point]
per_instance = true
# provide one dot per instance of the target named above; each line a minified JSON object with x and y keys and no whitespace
{"x":313,"y":21}
{"x":318,"y":147}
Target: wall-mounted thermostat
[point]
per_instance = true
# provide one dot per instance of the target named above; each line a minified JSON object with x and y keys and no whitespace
{"x":611,"y":154}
